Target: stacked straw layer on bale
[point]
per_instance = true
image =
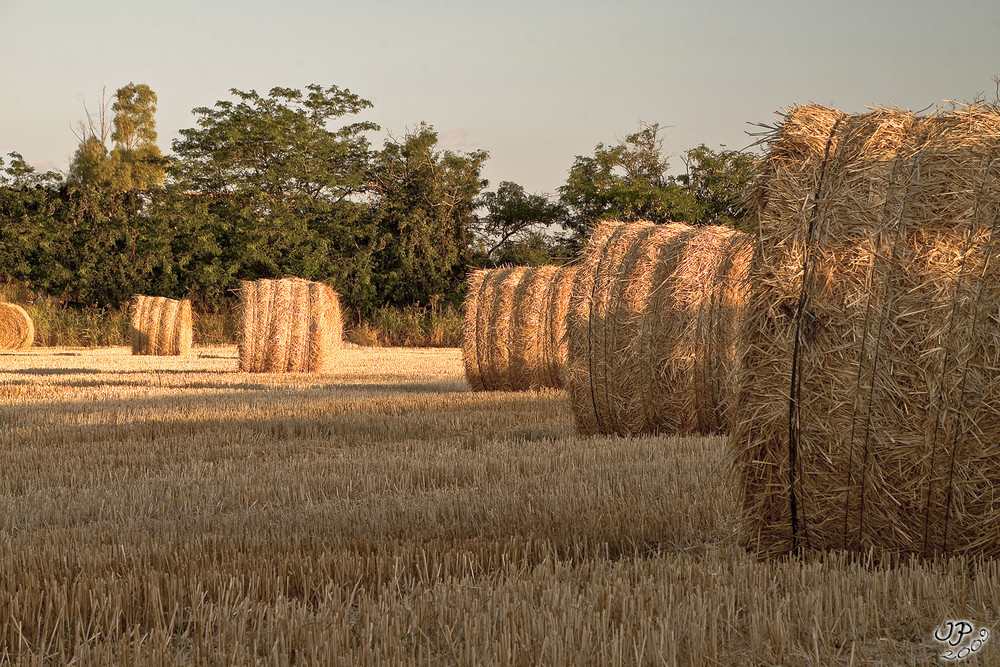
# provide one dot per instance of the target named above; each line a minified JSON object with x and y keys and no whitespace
{"x":160,"y":326}
{"x":515,"y":321}
{"x":870,"y":398}
{"x":289,"y":325}
{"x":652,"y":328}
{"x":17,"y":331}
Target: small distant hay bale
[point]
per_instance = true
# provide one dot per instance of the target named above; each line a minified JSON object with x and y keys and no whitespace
{"x":869,"y":402}
{"x":512,"y":333}
{"x":288,"y":325}
{"x":160,"y":326}
{"x":652,"y":328}
{"x":17,"y":331}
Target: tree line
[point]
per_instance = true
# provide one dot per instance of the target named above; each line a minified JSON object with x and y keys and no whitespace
{"x":288,"y":184}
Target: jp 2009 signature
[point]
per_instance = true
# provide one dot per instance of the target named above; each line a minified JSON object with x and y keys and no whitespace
{"x":961,"y":638}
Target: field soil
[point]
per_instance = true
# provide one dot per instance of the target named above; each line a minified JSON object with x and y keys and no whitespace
{"x":173,"y":510}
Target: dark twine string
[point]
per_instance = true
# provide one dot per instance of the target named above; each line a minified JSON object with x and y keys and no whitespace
{"x":795,"y":390}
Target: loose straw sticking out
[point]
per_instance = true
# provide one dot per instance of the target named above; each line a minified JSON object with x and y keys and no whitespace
{"x":160,"y":326}
{"x":288,"y":325}
{"x":647,"y":300}
{"x":869,"y":403}
{"x":17,"y":331}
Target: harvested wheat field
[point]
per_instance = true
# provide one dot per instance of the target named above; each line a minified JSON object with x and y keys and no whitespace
{"x":174,"y":510}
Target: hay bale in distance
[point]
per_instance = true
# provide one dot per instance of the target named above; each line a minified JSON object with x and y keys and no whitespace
{"x":160,"y":326}
{"x":652,"y":327}
{"x":17,"y":331}
{"x":288,"y":325}
{"x":869,"y":402}
{"x":508,"y":340}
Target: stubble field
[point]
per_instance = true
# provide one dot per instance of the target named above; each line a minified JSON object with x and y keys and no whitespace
{"x":158,"y":510}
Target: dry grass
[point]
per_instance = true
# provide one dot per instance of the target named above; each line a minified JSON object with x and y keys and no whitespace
{"x":173,"y":510}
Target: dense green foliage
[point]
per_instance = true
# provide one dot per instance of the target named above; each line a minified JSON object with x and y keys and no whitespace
{"x":288,"y":184}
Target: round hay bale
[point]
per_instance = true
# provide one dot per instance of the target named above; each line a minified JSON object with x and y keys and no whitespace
{"x":869,"y":402}
{"x":652,"y":328}
{"x":160,"y":326}
{"x":508,"y":340}
{"x":17,"y":331}
{"x":288,"y":325}
{"x":325,"y":328}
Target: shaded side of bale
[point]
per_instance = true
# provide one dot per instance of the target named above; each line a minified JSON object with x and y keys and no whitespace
{"x":528,"y":367}
{"x":554,"y":327}
{"x":869,"y":399}
{"x":17,"y":331}
{"x":247,"y":334}
{"x":160,"y":326}
{"x":470,"y":352}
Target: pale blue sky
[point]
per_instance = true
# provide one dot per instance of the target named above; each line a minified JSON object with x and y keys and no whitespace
{"x":532,"y":82}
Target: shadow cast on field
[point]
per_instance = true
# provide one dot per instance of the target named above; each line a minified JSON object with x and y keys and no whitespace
{"x":348,"y":425}
{"x":52,"y":371}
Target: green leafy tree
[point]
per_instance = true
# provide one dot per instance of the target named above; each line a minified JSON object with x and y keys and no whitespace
{"x":133,"y":161}
{"x":721,"y":183}
{"x":281,"y":187}
{"x":516,"y":225}
{"x":630,"y":181}
{"x":137,"y":162}
{"x":423,"y":202}
{"x":627,"y":181}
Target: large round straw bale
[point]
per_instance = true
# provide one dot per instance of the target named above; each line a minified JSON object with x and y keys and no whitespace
{"x":17,"y":331}
{"x":288,"y":325}
{"x":652,"y":328}
{"x":160,"y":326}
{"x":869,"y":401}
